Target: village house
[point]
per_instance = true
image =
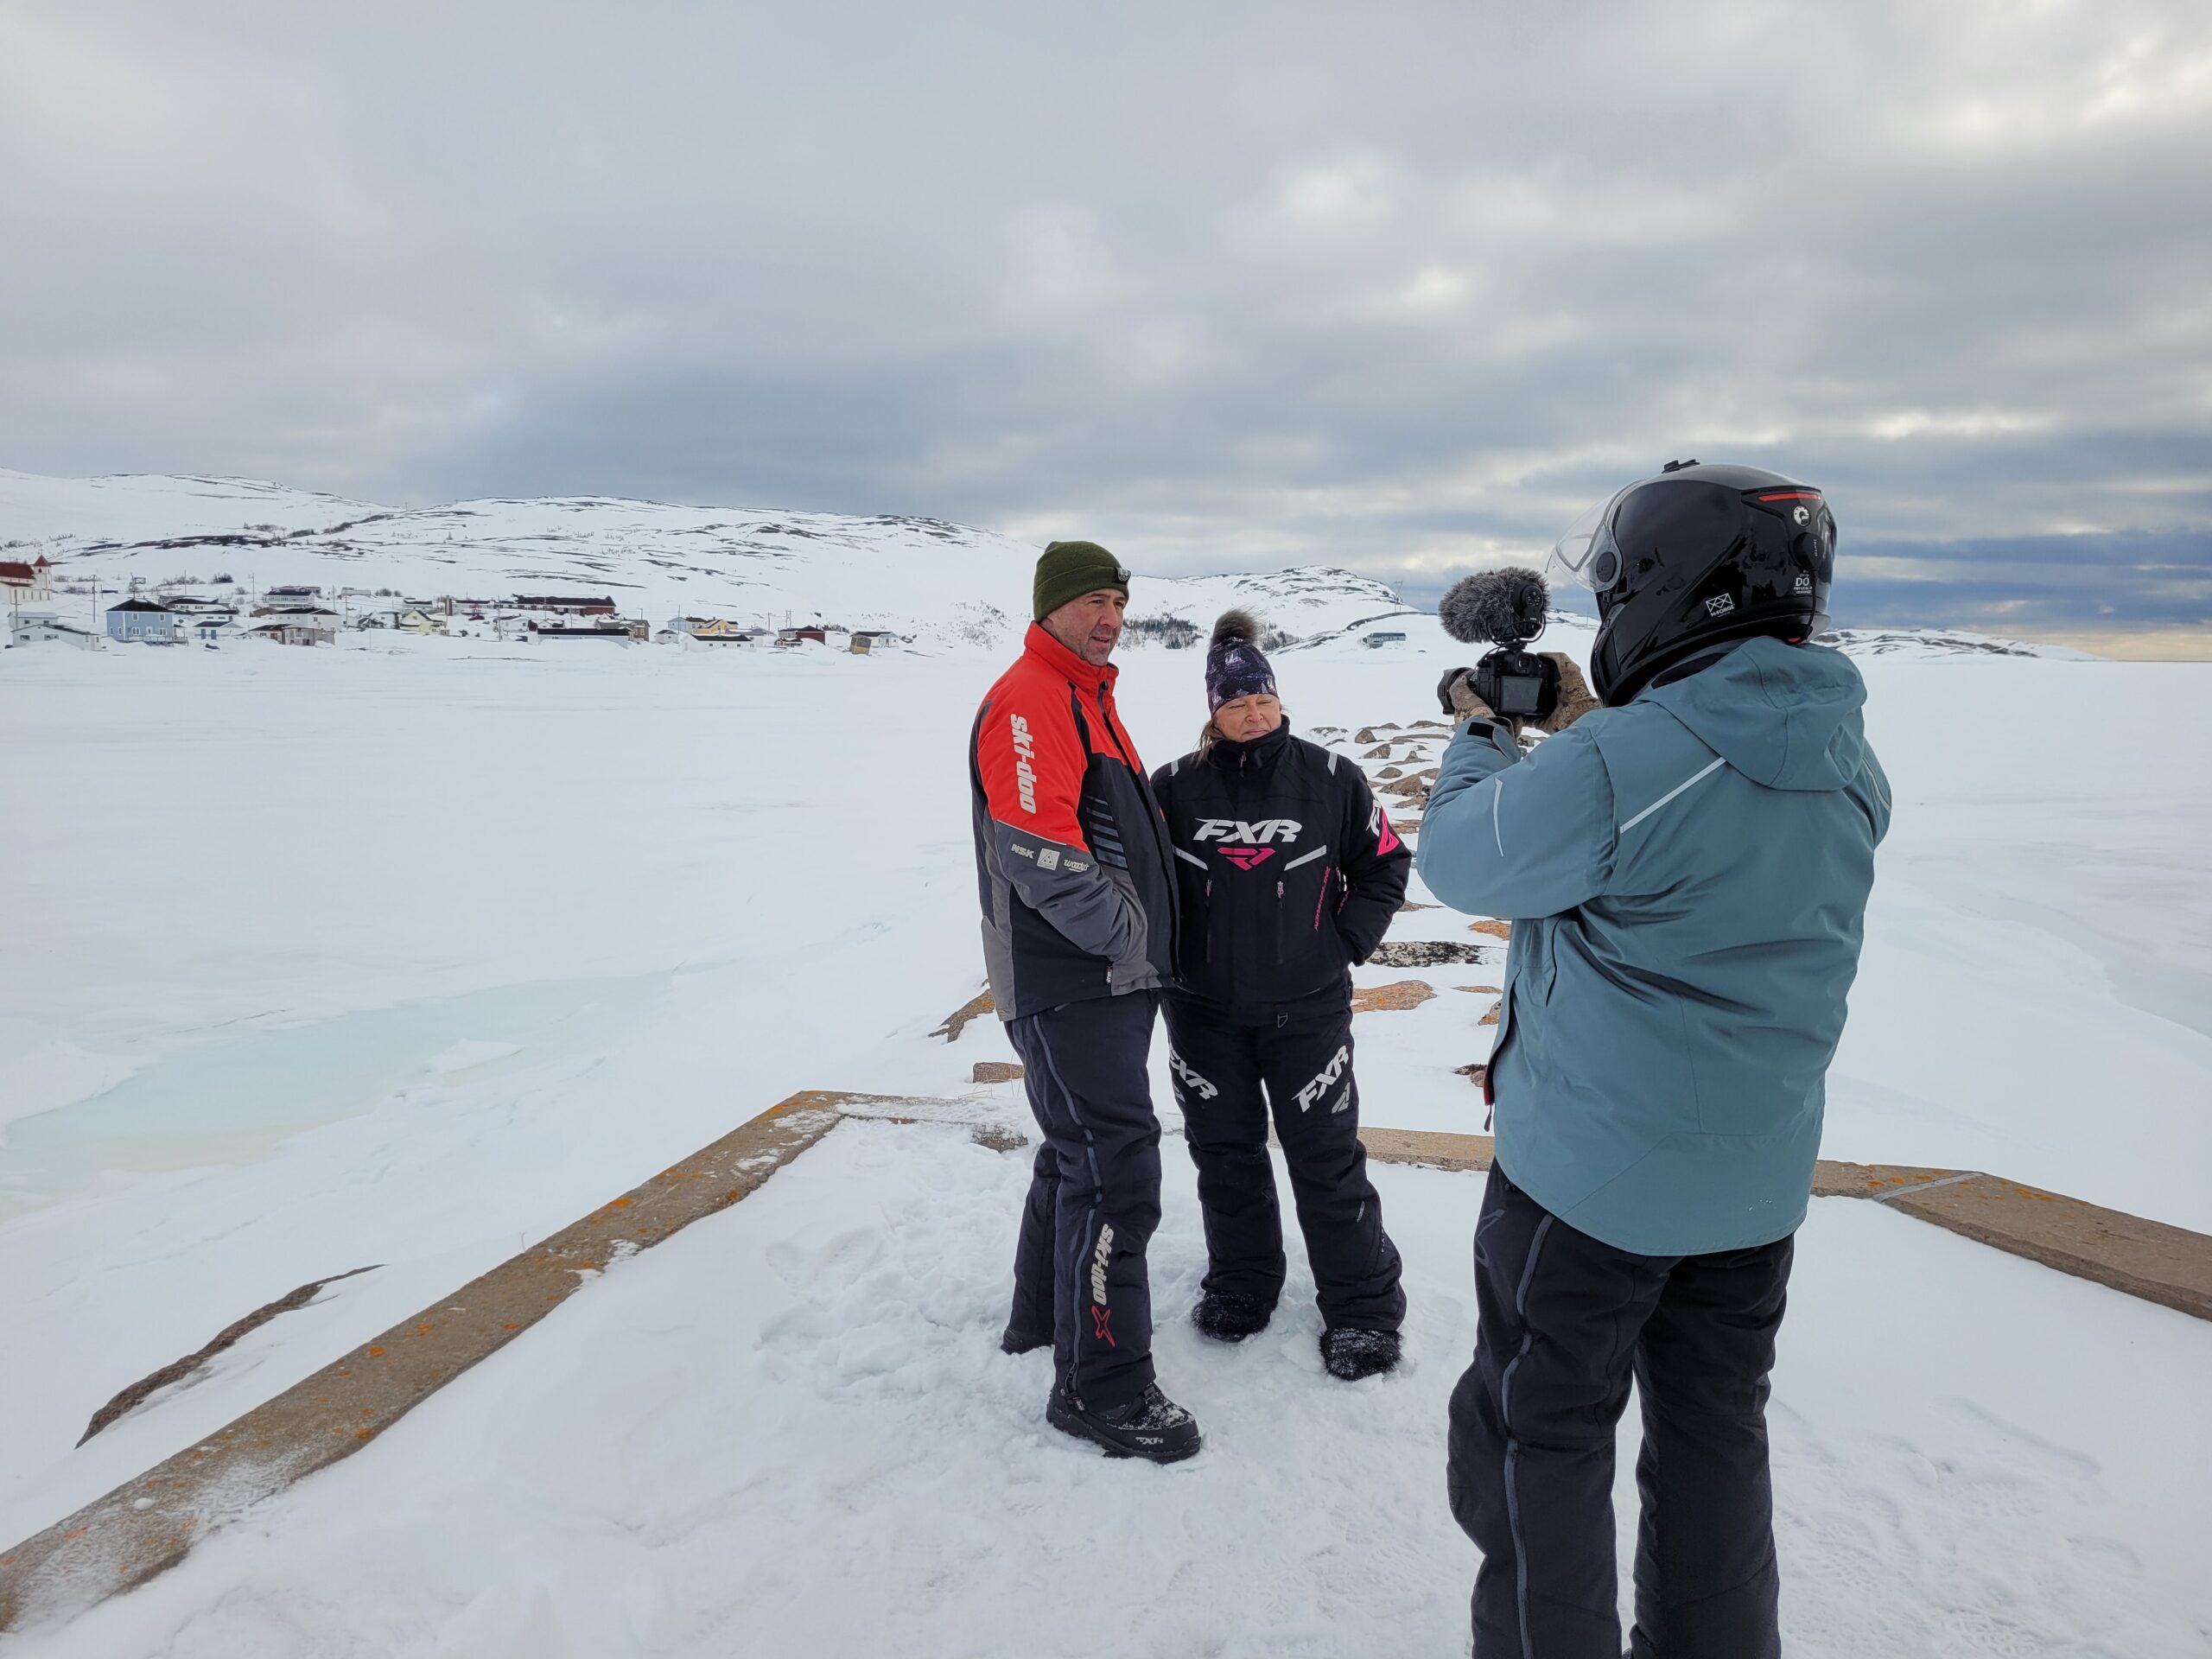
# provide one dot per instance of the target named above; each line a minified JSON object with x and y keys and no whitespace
{"x":299,"y":631}
{"x":567,"y":605}
{"x":26,"y":583}
{"x":289,"y":599}
{"x":867,"y":640}
{"x":419,"y":621}
{"x":620,"y":633}
{"x":143,"y":621}
{"x":192,"y":610}
{"x":709,"y":631}
{"x":801,"y":636}
{"x":45,"y":628}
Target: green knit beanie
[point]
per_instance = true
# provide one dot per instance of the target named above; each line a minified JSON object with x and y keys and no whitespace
{"x":1070,"y":570}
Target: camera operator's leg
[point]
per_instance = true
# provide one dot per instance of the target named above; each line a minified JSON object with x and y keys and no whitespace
{"x":1215,"y":1067}
{"x":1316,"y":1103}
{"x":1531,"y":1470}
{"x":1706,"y":1576}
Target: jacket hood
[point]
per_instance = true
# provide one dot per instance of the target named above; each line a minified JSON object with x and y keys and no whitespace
{"x":1786,"y":717}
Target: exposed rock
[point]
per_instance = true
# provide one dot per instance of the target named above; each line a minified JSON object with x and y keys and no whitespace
{"x":1427,"y":953}
{"x":1490,"y":925}
{"x":1364,"y":735}
{"x":1414,"y":904}
{"x":999,"y":1137}
{"x":1491,"y":990}
{"x":1474,"y":1074}
{"x":1389,"y":771}
{"x":997,"y":1072}
{"x":955,"y":1023}
{"x":1394,"y":998}
{"x":177,"y":1371}
{"x":1490,"y":1019}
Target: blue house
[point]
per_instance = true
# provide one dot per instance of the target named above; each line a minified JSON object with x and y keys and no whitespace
{"x":142,"y":619}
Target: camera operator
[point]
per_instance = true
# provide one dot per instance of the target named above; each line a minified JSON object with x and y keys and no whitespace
{"x":1685,"y":863}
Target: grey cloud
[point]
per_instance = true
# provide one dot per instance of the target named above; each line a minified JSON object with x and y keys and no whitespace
{"x":1224,"y":286}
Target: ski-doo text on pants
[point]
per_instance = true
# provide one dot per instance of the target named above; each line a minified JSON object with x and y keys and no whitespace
{"x":1226,"y":1077}
{"x":1564,"y":1321}
{"x":1072,"y":855}
{"x":1093,"y":1193}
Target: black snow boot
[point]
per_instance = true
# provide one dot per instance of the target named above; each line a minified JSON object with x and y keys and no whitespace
{"x":1350,"y":1355}
{"x":1226,"y":1317}
{"x":1017,"y":1341}
{"x":1151,"y":1425}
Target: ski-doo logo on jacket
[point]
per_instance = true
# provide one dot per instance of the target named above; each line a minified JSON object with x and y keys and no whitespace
{"x":1249,"y":834}
{"x":1025,"y":762}
{"x":1314,"y":1090}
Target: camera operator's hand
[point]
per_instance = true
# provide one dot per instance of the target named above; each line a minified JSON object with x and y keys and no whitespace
{"x":1574,"y":698}
{"x":1455,"y":694}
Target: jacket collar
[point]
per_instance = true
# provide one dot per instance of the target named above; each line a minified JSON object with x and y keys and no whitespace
{"x":1062,"y":661}
{"x":1230,"y":755}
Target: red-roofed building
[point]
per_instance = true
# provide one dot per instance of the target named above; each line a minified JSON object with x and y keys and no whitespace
{"x":29,"y":581}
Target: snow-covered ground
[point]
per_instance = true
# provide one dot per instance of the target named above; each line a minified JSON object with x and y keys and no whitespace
{"x":409,"y":955}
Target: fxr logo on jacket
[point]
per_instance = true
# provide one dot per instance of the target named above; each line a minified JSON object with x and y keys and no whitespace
{"x":1235,"y":831}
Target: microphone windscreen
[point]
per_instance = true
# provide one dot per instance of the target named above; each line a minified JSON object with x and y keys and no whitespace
{"x":1498,"y":606}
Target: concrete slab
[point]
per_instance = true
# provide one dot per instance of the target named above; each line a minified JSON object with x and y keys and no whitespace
{"x":2160,"y":1263}
{"x":147,"y":1525}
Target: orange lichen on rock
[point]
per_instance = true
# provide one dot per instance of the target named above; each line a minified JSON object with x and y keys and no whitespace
{"x":1496,"y":929}
{"x":1393,"y":998}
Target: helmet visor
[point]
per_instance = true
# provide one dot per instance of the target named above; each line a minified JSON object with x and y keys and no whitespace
{"x":1587,"y":556}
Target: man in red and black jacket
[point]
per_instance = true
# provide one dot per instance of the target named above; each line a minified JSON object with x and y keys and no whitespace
{"x":1074,"y":864}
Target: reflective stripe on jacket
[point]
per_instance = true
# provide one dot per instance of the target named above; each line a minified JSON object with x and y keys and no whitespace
{"x":1288,"y":870}
{"x":1070,"y":853}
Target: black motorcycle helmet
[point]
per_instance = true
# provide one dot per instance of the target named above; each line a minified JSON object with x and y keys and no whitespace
{"x":1697,"y":557}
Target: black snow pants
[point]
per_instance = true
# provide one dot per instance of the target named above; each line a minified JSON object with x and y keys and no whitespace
{"x":1093,"y":1193}
{"x":1226,"y":1078}
{"x":1564,"y":1321}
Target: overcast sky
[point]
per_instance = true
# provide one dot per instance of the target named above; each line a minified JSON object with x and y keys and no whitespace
{"x":1399,"y":287}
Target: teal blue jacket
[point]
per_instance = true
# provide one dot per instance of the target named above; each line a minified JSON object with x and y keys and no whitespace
{"x":1687,"y":877}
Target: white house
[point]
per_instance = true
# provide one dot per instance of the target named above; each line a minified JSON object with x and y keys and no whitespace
{"x":417,"y":621}
{"x":45,"y":628}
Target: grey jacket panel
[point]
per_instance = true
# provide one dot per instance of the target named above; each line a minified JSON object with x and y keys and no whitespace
{"x":1096,"y":911}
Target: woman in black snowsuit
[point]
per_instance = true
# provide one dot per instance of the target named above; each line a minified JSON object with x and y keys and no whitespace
{"x":1287,"y":873}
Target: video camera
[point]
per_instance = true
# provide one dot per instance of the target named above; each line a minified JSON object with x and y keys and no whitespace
{"x":1507,"y":609}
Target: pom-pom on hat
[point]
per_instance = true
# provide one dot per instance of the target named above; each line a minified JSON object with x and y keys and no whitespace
{"x":1235,"y":666}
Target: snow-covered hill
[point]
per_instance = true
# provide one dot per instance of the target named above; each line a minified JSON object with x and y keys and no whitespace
{"x":945,"y":585}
